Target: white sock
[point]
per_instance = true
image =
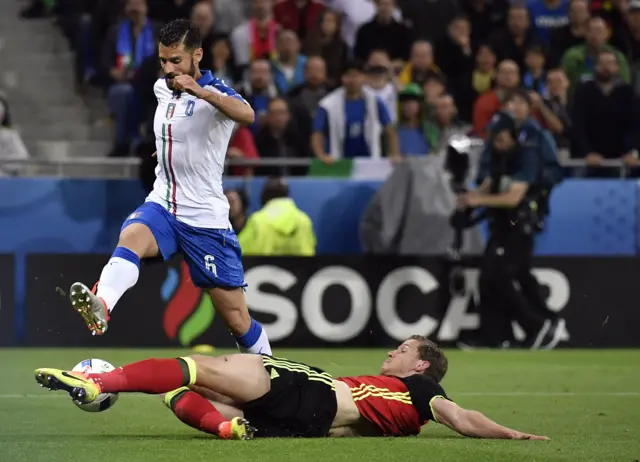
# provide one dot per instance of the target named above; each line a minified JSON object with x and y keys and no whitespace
{"x":254,"y":341}
{"x":118,"y":276}
{"x":262,"y":346}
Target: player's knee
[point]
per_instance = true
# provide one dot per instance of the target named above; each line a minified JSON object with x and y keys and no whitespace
{"x":138,"y":238}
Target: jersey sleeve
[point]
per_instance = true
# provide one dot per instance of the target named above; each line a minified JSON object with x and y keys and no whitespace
{"x":424,"y":391}
{"x":221,"y":87}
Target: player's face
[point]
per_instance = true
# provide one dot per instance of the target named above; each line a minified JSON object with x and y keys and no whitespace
{"x":404,"y":360}
{"x":175,"y":61}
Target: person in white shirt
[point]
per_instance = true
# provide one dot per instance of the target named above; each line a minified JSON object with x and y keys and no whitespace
{"x":187,"y":211}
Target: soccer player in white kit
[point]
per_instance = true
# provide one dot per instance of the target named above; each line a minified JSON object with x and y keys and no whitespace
{"x":187,"y":211}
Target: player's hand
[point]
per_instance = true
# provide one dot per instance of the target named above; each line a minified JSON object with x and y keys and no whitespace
{"x":529,"y":436}
{"x":155,"y":154}
{"x":186,"y":83}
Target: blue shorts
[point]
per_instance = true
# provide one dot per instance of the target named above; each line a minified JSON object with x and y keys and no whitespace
{"x":213,"y":255}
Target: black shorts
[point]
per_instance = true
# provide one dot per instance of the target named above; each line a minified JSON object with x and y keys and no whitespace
{"x":301,"y":403}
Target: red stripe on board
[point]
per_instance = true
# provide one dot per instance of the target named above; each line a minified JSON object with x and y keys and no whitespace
{"x":173,"y":175}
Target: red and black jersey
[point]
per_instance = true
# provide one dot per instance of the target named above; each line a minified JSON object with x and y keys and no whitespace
{"x":396,"y":406}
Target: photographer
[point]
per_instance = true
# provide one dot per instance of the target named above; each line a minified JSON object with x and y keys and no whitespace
{"x":514,"y":177}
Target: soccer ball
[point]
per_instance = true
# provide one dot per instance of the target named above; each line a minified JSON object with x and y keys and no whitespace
{"x":103,"y":401}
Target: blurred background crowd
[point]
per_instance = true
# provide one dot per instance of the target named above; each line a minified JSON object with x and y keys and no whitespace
{"x":437,"y":68}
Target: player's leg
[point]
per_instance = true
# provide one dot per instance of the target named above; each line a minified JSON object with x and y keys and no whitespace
{"x":242,"y":378}
{"x":215,"y":264}
{"x":147,"y":233}
{"x":194,"y":406}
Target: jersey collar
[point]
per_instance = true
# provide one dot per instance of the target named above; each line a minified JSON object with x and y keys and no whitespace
{"x":206,"y":79}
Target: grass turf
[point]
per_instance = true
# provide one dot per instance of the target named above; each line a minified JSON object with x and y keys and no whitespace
{"x":588,"y":402}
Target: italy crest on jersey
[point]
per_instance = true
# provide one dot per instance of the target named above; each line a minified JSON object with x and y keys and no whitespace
{"x":170,"y":110}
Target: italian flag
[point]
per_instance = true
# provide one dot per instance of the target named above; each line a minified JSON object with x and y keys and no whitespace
{"x":360,"y":168}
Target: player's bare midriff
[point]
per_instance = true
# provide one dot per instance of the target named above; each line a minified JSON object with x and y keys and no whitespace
{"x":348,"y":421}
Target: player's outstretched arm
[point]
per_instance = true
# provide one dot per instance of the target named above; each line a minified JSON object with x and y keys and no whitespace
{"x":474,"y":424}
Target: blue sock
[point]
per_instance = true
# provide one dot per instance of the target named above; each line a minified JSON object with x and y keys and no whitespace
{"x":255,"y":340}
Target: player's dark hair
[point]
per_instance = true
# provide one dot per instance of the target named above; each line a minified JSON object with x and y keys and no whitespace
{"x":180,"y":31}
{"x":429,"y":351}
{"x":274,"y":188}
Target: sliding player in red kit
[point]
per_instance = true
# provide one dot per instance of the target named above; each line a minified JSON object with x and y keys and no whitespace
{"x":282,"y":398}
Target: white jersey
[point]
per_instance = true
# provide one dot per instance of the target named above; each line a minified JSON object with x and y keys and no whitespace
{"x":192,"y":138}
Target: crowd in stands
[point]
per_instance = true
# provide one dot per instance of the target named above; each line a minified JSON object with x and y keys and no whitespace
{"x":369,"y":78}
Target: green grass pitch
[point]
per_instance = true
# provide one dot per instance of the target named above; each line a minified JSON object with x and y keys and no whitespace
{"x":588,"y":402}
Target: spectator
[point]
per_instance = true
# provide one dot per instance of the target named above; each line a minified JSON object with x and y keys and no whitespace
{"x":572,"y":34}
{"x":612,"y":11}
{"x":490,"y":102}
{"x":420,"y":66}
{"x":546,"y":16}
{"x":221,"y":61}
{"x":202,"y":17}
{"x":259,"y":91}
{"x":229,"y":14}
{"x":326,"y":41}
{"x":444,"y":124}
{"x":480,"y":80}
{"x":299,"y":16}
{"x":383,"y":33}
{"x":429,"y":18}
{"x":257,"y":37}
{"x":434,"y":87}
{"x":279,"y":138}
{"x":279,"y":228}
{"x":351,"y":121}
{"x":380,"y":80}
{"x":238,"y":209}
{"x":454,"y":54}
{"x":628,"y":41}
{"x":411,"y":126}
{"x":578,"y":62}
{"x":354,"y":14}
{"x":485,"y":17}
{"x":534,"y":76}
{"x":242,"y":146}
{"x":556,"y":99}
{"x":455,"y":57}
{"x":305,"y":98}
{"x":167,"y":10}
{"x":605,"y":121}
{"x":512,"y":43}
{"x":288,"y":66}
{"x":128,"y":44}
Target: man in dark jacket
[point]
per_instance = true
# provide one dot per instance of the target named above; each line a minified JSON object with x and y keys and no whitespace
{"x":605,"y":117}
{"x":384,"y":33}
{"x":278,"y":137}
{"x":513,"y":42}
